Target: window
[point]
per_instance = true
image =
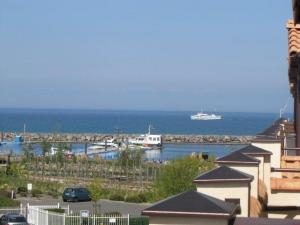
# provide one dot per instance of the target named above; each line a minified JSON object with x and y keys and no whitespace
{"x":235,"y":201}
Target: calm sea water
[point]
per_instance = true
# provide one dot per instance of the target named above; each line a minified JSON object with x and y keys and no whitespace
{"x":168,"y":152}
{"x":94,"y":121}
{"x":135,"y":122}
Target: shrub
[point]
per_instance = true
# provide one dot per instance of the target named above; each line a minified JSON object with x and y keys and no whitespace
{"x":142,"y":197}
{"x":7,"y":202}
{"x":116,"y":197}
{"x":138,"y":221}
{"x":112,"y":214}
{"x":21,"y":190}
{"x":5,"y":194}
{"x":36,"y":193}
{"x":54,"y":194}
{"x":133,"y":198}
{"x":56,"y":210}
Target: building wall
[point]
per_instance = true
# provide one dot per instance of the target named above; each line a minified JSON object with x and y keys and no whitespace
{"x":275,"y":148}
{"x":284,"y":198}
{"x":261,"y":166}
{"x":166,"y":220}
{"x":249,"y":169}
{"x":228,"y":190}
{"x":267,"y":174}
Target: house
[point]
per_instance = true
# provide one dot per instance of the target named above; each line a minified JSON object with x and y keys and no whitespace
{"x":227,"y":184}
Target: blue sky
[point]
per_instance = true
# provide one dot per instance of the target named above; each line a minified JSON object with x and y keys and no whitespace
{"x":157,"y":55}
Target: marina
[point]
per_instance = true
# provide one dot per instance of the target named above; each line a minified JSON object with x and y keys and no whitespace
{"x":168,"y":152}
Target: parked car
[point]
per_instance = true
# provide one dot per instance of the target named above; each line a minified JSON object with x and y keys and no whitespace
{"x":13,"y":219}
{"x":76,"y":194}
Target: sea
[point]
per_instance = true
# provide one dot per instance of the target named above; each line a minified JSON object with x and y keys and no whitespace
{"x":136,"y":122}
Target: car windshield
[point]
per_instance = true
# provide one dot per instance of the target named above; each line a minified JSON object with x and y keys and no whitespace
{"x":16,"y":219}
{"x":69,"y":190}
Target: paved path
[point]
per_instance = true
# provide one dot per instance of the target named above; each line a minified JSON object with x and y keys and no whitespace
{"x":134,"y":209}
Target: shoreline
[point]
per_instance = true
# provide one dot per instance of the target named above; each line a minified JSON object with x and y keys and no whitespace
{"x":94,"y":137}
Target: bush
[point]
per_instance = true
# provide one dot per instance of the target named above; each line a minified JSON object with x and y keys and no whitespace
{"x":142,"y":197}
{"x":21,"y":190}
{"x":7,"y":202}
{"x":116,"y":197}
{"x":36,"y":193}
{"x":139,"y":221}
{"x":112,"y":214}
{"x":54,"y":194}
{"x":5,"y":194}
{"x":134,"y":199}
{"x":56,"y":210}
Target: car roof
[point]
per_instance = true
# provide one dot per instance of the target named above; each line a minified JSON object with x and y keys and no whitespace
{"x":13,"y":215}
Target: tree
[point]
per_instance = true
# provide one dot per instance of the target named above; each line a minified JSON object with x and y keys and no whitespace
{"x":28,"y":151}
{"x":177,"y":176}
{"x":45,"y":145}
{"x":96,"y":191}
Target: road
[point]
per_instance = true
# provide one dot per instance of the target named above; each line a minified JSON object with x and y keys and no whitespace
{"x":133,"y":209}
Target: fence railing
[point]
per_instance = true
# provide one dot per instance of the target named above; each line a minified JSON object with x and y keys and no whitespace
{"x":38,"y":215}
{"x":18,"y":210}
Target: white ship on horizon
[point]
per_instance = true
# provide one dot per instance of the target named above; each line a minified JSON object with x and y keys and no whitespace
{"x":205,"y":116}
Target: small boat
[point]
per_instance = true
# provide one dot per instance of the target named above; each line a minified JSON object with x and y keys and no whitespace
{"x":66,"y":152}
{"x":205,"y":116}
{"x":147,"y":141}
{"x":107,"y":145}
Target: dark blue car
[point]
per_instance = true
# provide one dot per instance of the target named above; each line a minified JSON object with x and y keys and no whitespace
{"x":76,"y":194}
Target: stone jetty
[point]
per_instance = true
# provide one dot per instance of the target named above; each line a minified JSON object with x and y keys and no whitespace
{"x":89,"y":138}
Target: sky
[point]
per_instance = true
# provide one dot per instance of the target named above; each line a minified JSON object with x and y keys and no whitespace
{"x":144,"y":55}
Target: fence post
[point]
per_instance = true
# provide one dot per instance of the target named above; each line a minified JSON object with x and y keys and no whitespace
{"x":64,"y":219}
{"x":58,"y":205}
{"x":94,"y":221}
{"x":128,"y":219}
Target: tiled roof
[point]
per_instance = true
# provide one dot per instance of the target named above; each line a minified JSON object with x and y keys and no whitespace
{"x":264,"y":221}
{"x":237,"y":158}
{"x":253,"y":150}
{"x":192,"y":203}
{"x":223,"y":174}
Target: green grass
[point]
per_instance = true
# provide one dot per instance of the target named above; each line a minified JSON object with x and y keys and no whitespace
{"x":7,"y":202}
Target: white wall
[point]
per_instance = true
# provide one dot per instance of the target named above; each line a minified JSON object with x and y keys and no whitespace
{"x":275,"y":148}
{"x":261,"y":166}
{"x":267,"y":174}
{"x":284,"y":198}
{"x":251,"y":170}
{"x":228,"y":190}
{"x":166,"y":220}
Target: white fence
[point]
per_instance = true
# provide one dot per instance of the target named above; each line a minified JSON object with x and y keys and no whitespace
{"x":17,"y":210}
{"x":38,"y":215}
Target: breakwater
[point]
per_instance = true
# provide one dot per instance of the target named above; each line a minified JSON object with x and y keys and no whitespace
{"x":89,"y":138}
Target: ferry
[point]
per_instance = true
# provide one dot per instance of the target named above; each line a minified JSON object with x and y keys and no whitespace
{"x":147,"y":141}
{"x":205,"y":116}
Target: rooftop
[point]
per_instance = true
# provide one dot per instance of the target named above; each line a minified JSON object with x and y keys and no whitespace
{"x":192,"y":203}
{"x":237,"y":158}
{"x":223,"y":174}
{"x":253,"y":150}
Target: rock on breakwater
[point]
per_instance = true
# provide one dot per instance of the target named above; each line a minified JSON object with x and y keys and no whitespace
{"x":168,"y":138}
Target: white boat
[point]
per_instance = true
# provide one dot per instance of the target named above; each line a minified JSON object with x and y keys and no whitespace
{"x":205,"y":116}
{"x":66,"y":152}
{"x":107,"y":145}
{"x":147,"y":141}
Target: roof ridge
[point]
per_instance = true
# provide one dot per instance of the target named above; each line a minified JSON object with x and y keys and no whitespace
{"x":223,"y":167}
